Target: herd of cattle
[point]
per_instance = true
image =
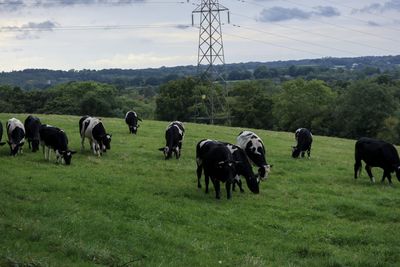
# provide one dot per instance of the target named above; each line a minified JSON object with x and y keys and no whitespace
{"x":220,"y":161}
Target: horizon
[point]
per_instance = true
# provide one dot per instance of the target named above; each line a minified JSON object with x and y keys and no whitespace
{"x":143,"y":34}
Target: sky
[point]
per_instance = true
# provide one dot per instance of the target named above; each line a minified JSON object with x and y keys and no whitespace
{"x":136,"y":34}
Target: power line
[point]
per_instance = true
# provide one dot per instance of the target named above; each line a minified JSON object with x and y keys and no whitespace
{"x":320,"y":34}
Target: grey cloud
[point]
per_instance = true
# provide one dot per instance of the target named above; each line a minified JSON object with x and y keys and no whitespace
{"x":30,"y":30}
{"x":373,"y":24}
{"x":378,"y":7}
{"x":11,"y":5}
{"x":275,"y":14}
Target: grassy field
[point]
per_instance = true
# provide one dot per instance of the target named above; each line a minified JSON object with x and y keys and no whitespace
{"x":133,"y":208}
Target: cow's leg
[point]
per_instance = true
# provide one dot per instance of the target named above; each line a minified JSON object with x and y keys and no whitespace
{"x":207,"y":181}
{"x":48,"y":153}
{"x":368,"y":169}
{"x":29,"y":144}
{"x":303,"y":153}
{"x":309,"y":152}
{"x":199,"y":171}
{"x":357,"y":168}
{"x":217,"y":188}
{"x":82,"y":142}
{"x":237,"y":181}
{"x":386,"y":173}
{"x":228,"y":190}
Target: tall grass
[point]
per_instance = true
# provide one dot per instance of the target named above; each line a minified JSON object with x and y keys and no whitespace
{"x":133,"y":208}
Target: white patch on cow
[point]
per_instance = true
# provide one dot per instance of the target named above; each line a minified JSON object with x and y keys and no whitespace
{"x":11,"y":125}
{"x":245,"y":137}
{"x":237,"y":178}
{"x":231,"y":148}
{"x":202,"y":143}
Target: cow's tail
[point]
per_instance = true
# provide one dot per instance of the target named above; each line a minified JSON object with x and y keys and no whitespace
{"x":357,"y":164}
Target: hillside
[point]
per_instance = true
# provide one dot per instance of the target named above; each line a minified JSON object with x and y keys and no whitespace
{"x":133,"y":208}
{"x":312,"y":68}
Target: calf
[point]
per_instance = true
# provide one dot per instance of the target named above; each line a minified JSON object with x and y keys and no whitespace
{"x":131,"y":118}
{"x":32,"y":126}
{"x":218,"y":164}
{"x":243,"y":167}
{"x":255,"y":151}
{"x":16,"y":135}
{"x":174,"y":135}
{"x":376,"y":153}
{"x":1,"y":134}
{"x":93,"y":129}
{"x":56,"y":139}
{"x":304,"y":140}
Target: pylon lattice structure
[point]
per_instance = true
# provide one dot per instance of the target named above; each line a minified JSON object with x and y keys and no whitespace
{"x":211,"y":47}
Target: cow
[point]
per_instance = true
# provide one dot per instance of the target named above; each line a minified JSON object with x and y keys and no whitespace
{"x":54,"y":138}
{"x":32,"y":126}
{"x":376,"y":153}
{"x":174,"y":135}
{"x":217,"y":161}
{"x":243,"y":168}
{"x":131,"y":118}
{"x":255,"y":151}
{"x":304,"y":141}
{"x":93,"y":129}
{"x":16,"y":135}
{"x":1,"y":134}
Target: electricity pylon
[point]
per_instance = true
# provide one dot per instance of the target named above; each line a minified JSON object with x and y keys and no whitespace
{"x":211,"y":46}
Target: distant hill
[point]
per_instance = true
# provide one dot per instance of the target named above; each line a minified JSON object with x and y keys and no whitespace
{"x":43,"y":78}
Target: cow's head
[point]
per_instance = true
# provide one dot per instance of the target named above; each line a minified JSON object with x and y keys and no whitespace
{"x":227,"y":168}
{"x":106,"y":140}
{"x":167,"y":152}
{"x":134,"y":128}
{"x":295,"y":152}
{"x":263,"y":172}
{"x":35,"y":145}
{"x":66,"y":156}
{"x":397,"y":169}
{"x":15,"y":148}
{"x":253,"y":183}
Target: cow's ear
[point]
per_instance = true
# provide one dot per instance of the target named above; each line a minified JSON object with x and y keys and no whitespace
{"x":21,"y":144}
{"x":272,"y":165}
{"x":161,"y":149}
{"x":139,"y":119}
{"x":73,"y":152}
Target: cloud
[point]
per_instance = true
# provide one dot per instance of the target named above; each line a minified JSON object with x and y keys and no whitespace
{"x":14,"y":5}
{"x":30,"y":30}
{"x":392,"y":5}
{"x":373,"y":23}
{"x":276,"y":13}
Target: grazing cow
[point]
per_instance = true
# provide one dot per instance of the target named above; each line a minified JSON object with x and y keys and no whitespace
{"x":304,"y":140}
{"x":243,"y":167}
{"x":93,"y":129}
{"x":32,"y":126}
{"x":1,"y":134}
{"x":174,"y":135}
{"x":131,"y":118}
{"x":376,"y":153}
{"x":255,"y":151}
{"x":217,"y":161}
{"x":56,"y":139}
{"x":16,"y":135}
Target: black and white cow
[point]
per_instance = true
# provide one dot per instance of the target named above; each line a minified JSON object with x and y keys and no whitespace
{"x":16,"y":135}
{"x":304,"y":140}
{"x":54,"y":138}
{"x":174,"y":135}
{"x":1,"y":134}
{"x":94,"y":130}
{"x":376,"y":153}
{"x":32,"y":126}
{"x":131,"y":118}
{"x":255,"y":151}
{"x":243,"y":168}
{"x":217,"y":161}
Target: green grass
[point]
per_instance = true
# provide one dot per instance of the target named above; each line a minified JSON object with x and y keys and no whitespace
{"x":133,"y":208}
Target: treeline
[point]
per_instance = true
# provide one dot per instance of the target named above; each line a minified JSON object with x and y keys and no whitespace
{"x":326,"y":69}
{"x":368,"y":107}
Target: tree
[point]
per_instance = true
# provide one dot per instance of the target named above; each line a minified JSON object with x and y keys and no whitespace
{"x":305,"y":104}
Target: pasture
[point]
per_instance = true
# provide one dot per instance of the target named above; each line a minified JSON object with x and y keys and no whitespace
{"x":133,"y":208}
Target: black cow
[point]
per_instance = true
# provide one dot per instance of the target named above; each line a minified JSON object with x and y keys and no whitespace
{"x":376,"y":153}
{"x":56,"y":139}
{"x":217,"y":161}
{"x":16,"y":135}
{"x":255,"y":150}
{"x":174,"y":135}
{"x":131,"y":118}
{"x":304,"y":140}
{"x":94,"y":130}
{"x":243,"y":168}
{"x":32,"y":126}
{"x":1,"y":134}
